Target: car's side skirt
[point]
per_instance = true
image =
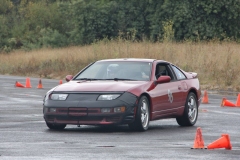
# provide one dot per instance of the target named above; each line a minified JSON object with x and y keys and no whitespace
{"x":170,"y":113}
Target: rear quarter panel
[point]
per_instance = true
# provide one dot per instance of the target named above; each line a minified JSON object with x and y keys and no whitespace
{"x":193,"y":84}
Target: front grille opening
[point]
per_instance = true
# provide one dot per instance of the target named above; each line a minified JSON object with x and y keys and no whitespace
{"x":77,"y":111}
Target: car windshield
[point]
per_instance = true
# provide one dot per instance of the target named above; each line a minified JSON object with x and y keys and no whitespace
{"x":117,"y":70}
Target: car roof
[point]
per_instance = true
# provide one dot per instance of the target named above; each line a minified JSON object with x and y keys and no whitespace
{"x":130,"y":59}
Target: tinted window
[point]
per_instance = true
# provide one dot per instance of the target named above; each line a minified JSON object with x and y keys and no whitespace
{"x":178,"y":73}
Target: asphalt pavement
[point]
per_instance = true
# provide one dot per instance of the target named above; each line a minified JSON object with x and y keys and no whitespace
{"x":24,"y":135}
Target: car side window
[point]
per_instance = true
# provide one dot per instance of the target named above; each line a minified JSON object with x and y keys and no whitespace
{"x":163,"y":70}
{"x":178,"y":73}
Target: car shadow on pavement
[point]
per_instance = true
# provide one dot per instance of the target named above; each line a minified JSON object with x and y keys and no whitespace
{"x":121,"y":128}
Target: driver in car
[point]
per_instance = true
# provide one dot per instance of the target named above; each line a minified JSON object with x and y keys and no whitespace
{"x":145,"y":70}
{"x":112,"y":71}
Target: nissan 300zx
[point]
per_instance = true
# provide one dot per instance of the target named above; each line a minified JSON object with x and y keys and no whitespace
{"x":124,"y":91}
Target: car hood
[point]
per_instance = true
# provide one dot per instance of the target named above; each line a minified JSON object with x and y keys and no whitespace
{"x":100,"y":86}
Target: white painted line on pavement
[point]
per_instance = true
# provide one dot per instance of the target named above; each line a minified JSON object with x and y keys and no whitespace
{"x":230,"y":113}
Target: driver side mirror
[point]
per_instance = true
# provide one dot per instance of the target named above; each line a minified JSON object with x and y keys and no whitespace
{"x":163,"y":79}
{"x":69,"y":77}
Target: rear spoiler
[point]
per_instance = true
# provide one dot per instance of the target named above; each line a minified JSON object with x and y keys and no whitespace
{"x":194,"y":74}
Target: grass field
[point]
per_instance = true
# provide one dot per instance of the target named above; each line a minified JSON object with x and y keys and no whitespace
{"x":217,"y":64}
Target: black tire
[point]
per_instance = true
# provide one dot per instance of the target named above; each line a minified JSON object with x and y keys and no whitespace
{"x":141,"y":121}
{"x":190,"y":115}
{"x":56,"y":126}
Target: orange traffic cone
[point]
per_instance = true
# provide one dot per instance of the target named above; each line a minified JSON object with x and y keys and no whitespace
{"x":198,"y":142}
{"x":223,"y":101}
{"x":223,"y":142}
{"x":28,"y":83}
{"x":238,"y":101}
{"x":40,"y":84}
{"x":227,"y":103}
{"x":205,"y":97}
{"x":18,"y":84}
{"x":60,"y":82}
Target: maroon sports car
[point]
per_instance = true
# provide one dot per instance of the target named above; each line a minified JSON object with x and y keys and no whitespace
{"x":124,"y":91}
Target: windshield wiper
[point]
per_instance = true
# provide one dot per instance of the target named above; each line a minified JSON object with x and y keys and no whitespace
{"x":88,"y":79}
{"x":115,"y":79}
{"x":120,"y":79}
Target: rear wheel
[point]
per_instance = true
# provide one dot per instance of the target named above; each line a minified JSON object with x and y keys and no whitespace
{"x":141,"y":121}
{"x":56,"y":126}
{"x":190,"y":115}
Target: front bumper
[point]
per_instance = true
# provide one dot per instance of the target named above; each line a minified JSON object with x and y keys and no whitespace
{"x":87,"y":111}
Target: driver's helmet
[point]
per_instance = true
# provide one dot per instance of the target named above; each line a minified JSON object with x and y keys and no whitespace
{"x":112,"y":70}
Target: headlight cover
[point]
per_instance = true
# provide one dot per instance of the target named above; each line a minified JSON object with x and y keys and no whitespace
{"x":105,"y":97}
{"x":46,"y":97}
{"x":58,"y":97}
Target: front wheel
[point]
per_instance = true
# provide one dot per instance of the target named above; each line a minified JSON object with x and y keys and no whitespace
{"x":56,"y":126}
{"x":141,"y":121}
{"x":190,"y":115}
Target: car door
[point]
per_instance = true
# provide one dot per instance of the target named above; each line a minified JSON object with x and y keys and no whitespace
{"x":166,"y":97}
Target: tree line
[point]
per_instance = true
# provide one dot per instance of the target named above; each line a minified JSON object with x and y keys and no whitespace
{"x":32,"y":24}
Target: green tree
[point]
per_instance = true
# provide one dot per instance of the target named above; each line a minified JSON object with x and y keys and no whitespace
{"x":93,"y":20}
{"x":204,"y":19}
